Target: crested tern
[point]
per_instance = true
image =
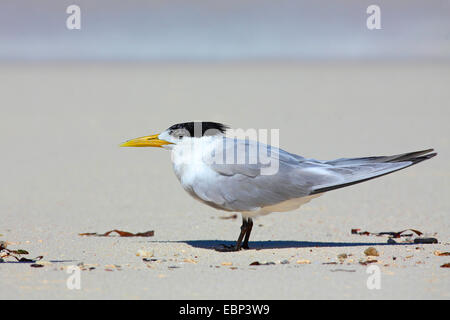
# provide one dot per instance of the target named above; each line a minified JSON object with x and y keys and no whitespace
{"x":198,"y":150}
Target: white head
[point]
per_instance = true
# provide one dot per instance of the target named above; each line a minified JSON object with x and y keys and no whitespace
{"x":178,"y":134}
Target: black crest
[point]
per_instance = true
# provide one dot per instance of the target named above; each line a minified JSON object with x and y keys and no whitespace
{"x":199,"y":129}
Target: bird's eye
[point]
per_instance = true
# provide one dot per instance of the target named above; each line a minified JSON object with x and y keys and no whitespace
{"x":180,"y":137}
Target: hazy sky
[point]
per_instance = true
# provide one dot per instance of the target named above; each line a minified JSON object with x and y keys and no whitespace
{"x":221,"y":30}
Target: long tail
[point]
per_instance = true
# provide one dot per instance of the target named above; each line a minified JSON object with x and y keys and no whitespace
{"x":357,"y":170}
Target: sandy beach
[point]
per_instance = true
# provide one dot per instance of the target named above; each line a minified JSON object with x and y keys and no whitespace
{"x":63,"y":173}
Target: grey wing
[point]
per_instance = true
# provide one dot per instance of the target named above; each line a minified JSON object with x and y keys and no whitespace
{"x":245,"y":187}
{"x":274,"y":177}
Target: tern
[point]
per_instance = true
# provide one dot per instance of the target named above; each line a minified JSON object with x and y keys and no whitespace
{"x":198,"y":152}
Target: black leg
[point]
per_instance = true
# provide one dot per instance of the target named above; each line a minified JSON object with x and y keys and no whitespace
{"x":247,"y":234}
{"x":246,"y":227}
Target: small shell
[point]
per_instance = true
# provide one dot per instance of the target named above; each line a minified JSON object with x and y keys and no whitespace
{"x":304,"y":261}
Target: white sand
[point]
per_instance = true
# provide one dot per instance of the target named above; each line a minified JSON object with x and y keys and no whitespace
{"x":63,"y":173}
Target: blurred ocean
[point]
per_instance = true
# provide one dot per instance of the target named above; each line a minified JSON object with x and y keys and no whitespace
{"x":139,"y":30}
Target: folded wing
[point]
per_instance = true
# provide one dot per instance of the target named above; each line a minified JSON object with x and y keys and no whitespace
{"x":244,"y":187}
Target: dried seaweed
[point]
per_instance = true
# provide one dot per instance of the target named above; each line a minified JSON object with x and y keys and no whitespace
{"x":121,"y":233}
{"x":391,"y":234}
{"x":441,"y":254}
{"x":233,"y":216}
{"x":257,"y":263}
{"x":342,"y":270}
{"x":36,"y":265}
{"x":366,"y":262}
{"x":8,"y":253}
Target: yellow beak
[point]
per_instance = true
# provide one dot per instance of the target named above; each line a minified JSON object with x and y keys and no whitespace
{"x":148,"y":141}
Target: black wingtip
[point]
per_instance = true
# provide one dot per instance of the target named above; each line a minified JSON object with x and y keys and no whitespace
{"x":410,"y":156}
{"x":424,"y":157}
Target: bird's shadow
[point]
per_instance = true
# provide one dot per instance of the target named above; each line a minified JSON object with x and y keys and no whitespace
{"x":281,"y":244}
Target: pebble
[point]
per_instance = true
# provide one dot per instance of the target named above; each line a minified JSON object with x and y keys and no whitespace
{"x":342,"y":257}
{"x":189,"y":261}
{"x":371,"y":251}
{"x":144,"y":253}
{"x":149,"y":260}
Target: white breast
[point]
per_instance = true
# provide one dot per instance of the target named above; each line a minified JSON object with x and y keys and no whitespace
{"x":188,"y":164}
